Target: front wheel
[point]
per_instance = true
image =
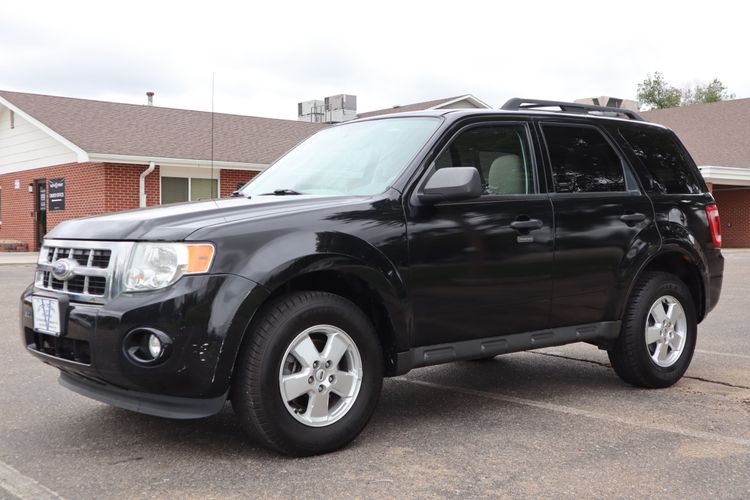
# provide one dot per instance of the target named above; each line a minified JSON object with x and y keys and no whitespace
{"x":658,"y":334}
{"x":309,"y":374}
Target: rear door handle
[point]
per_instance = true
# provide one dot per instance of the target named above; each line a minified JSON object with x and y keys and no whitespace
{"x":633,"y":217}
{"x":520,"y":225}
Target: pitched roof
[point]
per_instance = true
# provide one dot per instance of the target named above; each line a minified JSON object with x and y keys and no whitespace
{"x":417,"y":106}
{"x":716,"y":134}
{"x":138,"y":130}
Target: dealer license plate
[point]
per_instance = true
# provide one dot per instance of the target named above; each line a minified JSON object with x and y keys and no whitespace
{"x":46,"y":315}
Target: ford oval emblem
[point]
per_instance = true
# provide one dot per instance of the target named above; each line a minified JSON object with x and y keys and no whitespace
{"x":63,"y":269}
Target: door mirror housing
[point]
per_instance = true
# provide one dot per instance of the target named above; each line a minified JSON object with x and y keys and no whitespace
{"x":452,"y":184}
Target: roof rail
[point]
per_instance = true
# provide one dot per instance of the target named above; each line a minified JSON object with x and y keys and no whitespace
{"x":519,"y":104}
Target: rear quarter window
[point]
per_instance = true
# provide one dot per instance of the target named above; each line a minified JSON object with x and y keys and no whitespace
{"x":667,"y":162}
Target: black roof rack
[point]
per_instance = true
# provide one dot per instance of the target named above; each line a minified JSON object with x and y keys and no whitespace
{"x":519,"y":104}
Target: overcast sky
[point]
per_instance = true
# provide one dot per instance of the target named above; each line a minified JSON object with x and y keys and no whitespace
{"x":269,"y":55}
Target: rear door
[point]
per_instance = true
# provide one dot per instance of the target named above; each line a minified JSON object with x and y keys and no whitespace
{"x":601,"y":215}
{"x":483,"y":267}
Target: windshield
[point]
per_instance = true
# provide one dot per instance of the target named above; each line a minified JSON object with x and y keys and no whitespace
{"x":360,"y":158}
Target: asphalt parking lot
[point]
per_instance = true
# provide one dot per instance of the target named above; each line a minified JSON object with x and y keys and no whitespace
{"x":550,"y":423}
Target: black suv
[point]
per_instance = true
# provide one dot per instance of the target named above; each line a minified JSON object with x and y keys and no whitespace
{"x":382,"y":245}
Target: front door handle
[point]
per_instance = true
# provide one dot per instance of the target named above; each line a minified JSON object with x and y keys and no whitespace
{"x":631,"y":218}
{"x":525,"y":225}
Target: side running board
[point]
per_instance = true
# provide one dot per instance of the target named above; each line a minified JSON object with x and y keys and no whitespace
{"x":492,"y":346}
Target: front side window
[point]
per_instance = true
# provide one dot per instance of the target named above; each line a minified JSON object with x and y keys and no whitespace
{"x":359,"y":158}
{"x":669,"y":166}
{"x":582,"y":160}
{"x":498,"y":152}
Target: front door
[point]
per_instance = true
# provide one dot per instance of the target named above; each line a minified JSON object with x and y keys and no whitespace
{"x":40,"y":211}
{"x":483,"y":267}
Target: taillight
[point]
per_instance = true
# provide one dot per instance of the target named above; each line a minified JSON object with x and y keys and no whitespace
{"x":712,"y":211}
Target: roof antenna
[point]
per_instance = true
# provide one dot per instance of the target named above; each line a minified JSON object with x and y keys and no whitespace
{"x":213,"y":86}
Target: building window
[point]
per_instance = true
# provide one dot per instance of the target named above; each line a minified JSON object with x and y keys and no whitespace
{"x":12,"y":119}
{"x":204,"y":189}
{"x":180,"y":189}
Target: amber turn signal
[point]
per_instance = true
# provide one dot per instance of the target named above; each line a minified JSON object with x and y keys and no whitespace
{"x":200,"y":257}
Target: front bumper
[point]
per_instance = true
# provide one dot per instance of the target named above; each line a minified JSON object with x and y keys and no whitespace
{"x":151,"y":404}
{"x":205,"y":316}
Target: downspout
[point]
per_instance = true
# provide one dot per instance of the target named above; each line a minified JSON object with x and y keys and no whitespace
{"x":142,"y":183}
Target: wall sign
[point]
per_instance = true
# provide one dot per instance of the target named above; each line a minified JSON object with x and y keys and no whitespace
{"x":56,"y":195}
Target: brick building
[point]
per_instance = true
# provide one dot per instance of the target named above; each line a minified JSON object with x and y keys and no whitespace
{"x":63,"y":158}
{"x":718,"y":138}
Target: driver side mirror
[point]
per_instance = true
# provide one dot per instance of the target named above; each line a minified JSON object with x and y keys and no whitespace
{"x":452,"y":184}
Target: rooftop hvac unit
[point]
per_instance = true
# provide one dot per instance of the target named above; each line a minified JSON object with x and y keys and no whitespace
{"x":311,"y":111}
{"x":340,"y":108}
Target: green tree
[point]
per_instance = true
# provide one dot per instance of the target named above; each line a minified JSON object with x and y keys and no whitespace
{"x":655,"y":92}
{"x":711,"y":92}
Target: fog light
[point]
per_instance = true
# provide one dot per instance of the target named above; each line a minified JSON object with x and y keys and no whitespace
{"x":155,"y":347}
{"x":147,"y":346}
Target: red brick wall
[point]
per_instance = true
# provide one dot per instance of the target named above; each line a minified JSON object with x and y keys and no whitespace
{"x":90,"y":189}
{"x":122,"y":184}
{"x":734,"y":211}
{"x":84,"y":195}
{"x":231,"y":177}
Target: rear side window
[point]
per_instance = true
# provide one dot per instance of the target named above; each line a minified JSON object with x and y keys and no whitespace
{"x":665,"y":159}
{"x":582,"y":160}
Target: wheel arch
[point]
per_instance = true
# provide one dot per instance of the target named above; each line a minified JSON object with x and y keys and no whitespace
{"x":681,"y":263}
{"x":374,"y":292}
{"x":383,"y":306}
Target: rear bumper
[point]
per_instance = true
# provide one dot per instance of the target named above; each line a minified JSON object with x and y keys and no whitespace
{"x":714,"y":284}
{"x":141,"y":402}
{"x":715,"y":279}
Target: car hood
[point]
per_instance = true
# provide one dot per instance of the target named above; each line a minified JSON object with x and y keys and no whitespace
{"x":176,"y":222}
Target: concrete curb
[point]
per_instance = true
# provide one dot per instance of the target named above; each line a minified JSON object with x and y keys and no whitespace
{"x":15,"y":258}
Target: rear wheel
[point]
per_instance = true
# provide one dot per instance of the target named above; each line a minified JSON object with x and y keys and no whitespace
{"x":309,"y":374}
{"x":658,"y":334}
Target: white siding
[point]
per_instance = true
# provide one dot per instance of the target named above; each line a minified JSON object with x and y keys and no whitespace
{"x":202,"y":172}
{"x":25,"y":146}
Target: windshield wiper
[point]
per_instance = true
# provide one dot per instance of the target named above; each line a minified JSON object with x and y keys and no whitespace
{"x":282,"y":192}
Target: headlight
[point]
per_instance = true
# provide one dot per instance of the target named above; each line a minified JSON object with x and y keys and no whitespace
{"x":158,"y":265}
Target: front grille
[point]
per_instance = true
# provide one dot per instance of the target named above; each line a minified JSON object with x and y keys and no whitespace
{"x":101,"y":258}
{"x":62,"y":347}
{"x":92,"y":265}
{"x":97,"y":285}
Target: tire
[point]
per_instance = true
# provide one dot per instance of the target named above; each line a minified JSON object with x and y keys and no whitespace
{"x":635,"y":358}
{"x":277,"y":357}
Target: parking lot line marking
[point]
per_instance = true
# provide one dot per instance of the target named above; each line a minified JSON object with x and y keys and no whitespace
{"x":21,"y":486}
{"x":730,"y":354}
{"x":569,"y":410}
